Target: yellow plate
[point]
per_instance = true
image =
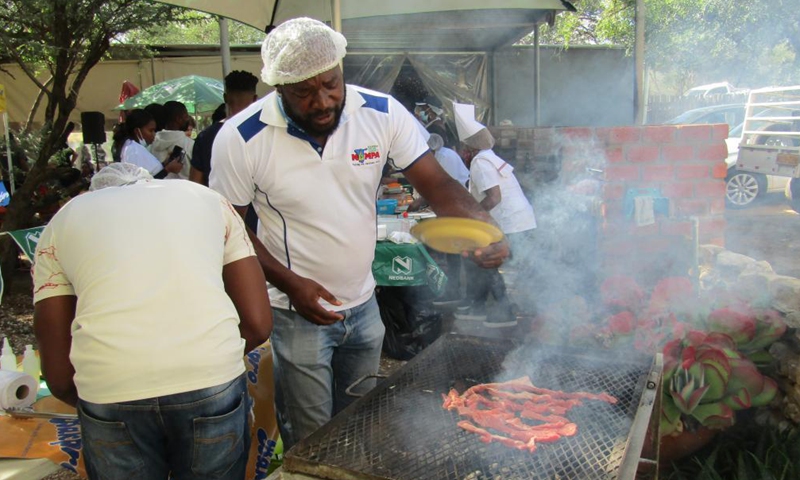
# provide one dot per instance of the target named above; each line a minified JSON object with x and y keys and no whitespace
{"x":454,"y":235}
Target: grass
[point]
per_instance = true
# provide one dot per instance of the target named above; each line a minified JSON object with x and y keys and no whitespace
{"x":746,"y":452}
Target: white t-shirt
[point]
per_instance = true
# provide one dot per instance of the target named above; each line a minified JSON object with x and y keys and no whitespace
{"x":453,"y":165}
{"x":514,"y":213}
{"x":162,"y":147}
{"x":135,"y":153}
{"x":316,"y":207}
{"x":152,"y":317}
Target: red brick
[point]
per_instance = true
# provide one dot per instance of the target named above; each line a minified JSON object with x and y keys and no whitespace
{"x":661,"y":134}
{"x":642,"y":153}
{"x":716,"y":206}
{"x":691,"y":206}
{"x":689,"y":172}
{"x":694,"y":133}
{"x":658,"y":173}
{"x":657,"y":245}
{"x":650,"y":230}
{"x":677,"y":227}
{"x":715,"y":152}
{"x":720,"y":131}
{"x":573,"y":153}
{"x":678,"y":190}
{"x":712,"y":227}
{"x":619,"y":135}
{"x":710,"y":189}
{"x":622,"y":172}
{"x":677,"y":153}
{"x":612,"y":211}
{"x":613,"y":191}
{"x":577,"y":133}
{"x":719,"y":170}
{"x":614,"y":155}
{"x":618,"y":246}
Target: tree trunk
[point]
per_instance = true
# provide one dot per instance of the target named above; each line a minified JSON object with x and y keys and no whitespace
{"x":35,"y":107}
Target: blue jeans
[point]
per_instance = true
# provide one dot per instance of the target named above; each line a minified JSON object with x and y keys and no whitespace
{"x":314,"y":364}
{"x":202,"y":434}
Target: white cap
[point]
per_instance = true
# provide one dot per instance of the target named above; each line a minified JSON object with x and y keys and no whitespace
{"x":299,"y":49}
{"x":117,"y":175}
{"x":466,"y":125}
{"x":470,"y":131}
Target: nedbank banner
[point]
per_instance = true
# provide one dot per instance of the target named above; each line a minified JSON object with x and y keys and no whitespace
{"x":405,"y":265}
{"x":27,"y":240}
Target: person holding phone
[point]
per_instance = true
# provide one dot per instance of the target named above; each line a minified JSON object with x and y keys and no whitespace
{"x":174,"y":135}
{"x":131,"y":139}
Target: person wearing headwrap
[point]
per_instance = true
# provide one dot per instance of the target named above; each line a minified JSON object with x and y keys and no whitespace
{"x":493,"y":184}
{"x":145,"y":336}
{"x":309,"y":157}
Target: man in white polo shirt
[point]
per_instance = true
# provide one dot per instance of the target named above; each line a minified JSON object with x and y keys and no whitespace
{"x":309,"y":156}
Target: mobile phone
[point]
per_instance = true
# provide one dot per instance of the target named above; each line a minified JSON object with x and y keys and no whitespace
{"x":177,"y":154}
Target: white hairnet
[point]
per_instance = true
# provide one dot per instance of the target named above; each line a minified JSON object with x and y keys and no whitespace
{"x":118,"y":174}
{"x":435,"y":142}
{"x":299,"y":49}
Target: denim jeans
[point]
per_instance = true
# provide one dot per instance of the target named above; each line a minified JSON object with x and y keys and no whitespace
{"x":202,"y":434}
{"x":314,"y":364}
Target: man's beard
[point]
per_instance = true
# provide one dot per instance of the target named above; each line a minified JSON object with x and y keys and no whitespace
{"x":306,"y":123}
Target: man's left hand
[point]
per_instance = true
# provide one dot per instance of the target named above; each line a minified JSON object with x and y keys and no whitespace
{"x":491,"y":256}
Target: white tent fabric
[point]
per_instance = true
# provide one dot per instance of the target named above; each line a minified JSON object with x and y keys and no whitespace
{"x":262,"y":13}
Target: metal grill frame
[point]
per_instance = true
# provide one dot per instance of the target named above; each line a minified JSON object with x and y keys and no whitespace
{"x":319,"y":454}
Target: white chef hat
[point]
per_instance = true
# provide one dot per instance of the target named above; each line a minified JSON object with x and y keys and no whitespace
{"x":119,"y":174}
{"x":299,"y":49}
{"x":471,"y":132}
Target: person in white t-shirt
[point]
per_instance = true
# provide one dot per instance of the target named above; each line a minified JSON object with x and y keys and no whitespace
{"x":131,"y":139}
{"x":174,"y":135}
{"x":493,"y":184}
{"x":145,"y":336}
{"x":309,"y":157}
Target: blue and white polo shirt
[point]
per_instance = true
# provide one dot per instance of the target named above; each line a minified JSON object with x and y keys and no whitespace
{"x":316,"y":207}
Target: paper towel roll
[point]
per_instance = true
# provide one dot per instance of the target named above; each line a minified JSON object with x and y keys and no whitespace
{"x":17,"y":390}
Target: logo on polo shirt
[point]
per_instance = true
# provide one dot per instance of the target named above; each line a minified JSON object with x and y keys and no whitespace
{"x":366,"y":156}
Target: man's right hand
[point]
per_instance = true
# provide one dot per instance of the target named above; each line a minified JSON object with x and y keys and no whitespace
{"x":305,"y":293}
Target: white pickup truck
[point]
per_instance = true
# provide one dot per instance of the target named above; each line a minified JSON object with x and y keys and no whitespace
{"x":770,"y":141}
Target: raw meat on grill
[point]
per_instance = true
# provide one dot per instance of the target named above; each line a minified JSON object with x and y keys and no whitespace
{"x":505,"y":412}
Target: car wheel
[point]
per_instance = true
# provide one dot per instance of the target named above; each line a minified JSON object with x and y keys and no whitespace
{"x":742,"y":188}
{"x":794,"y":194}
{"x":775,"y":140}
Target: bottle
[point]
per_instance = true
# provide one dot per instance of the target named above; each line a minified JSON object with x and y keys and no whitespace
{"x":8,"y":361}
{"x":30,"y":363}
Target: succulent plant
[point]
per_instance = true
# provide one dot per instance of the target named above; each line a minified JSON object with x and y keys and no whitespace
{"x":706,"y":379}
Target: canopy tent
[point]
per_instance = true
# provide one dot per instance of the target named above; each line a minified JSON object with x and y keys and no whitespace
{"x":448,"y":42}
{"x":199,"y":94}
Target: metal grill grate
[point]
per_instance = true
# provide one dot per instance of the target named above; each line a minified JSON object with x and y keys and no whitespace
{"x":400,"y":431}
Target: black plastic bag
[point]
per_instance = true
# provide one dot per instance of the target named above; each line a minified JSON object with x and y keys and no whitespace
{"x":410,"y":319}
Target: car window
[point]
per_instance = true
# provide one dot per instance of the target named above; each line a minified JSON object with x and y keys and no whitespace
{"x":718,"y":91}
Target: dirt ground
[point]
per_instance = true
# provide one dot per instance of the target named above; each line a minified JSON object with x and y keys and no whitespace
{"x":768,"y":231}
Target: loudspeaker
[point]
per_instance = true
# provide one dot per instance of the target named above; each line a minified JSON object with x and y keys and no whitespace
{"x":94,"y":127}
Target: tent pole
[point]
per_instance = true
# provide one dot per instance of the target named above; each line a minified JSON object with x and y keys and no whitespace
{"x":638,"y":56}
{"x":336,"y":15}
{"x":224,"y":46}
{"x":536,"y":89}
